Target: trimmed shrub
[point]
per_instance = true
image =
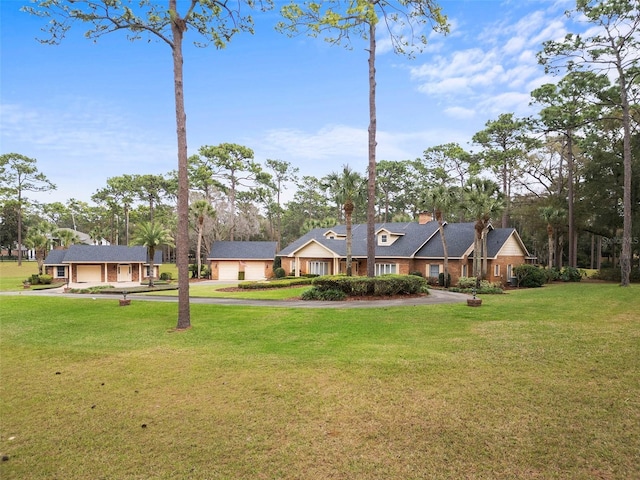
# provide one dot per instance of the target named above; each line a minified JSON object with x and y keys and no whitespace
{"x":35,"y":279}
{"x":529,"y":276}
{"x":45,"y":279}
{"x":166,"y":276}
{"x":570,"y":274}
{"x":315,"y":293}
{"x":441,"y":279}
{"x":279,"y":272}
{"x":283,"y":283}
{"x":385,"y":285}
{"x":467,"y":284}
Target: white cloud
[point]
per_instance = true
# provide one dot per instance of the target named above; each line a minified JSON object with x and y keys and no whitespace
{"x":460,"y":112}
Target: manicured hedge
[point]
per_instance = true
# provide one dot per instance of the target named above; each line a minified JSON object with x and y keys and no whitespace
{"x":284,"y":283}
{"x":384,"y":285}
{"x":467,"y":284}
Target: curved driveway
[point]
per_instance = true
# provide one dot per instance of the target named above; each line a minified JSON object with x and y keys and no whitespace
{"x":435,"y":297}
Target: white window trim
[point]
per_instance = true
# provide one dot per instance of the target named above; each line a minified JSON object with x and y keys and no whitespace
{"x":385,"y":268}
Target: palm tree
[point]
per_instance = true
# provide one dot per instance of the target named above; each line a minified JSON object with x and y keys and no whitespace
{"x":441,"y":199}
{"x":39,"y":240}
{"x":152,"y":236}
{"x":483,"y":201}
{"x":551,"y":215}
{"x":346,"y":186}
{"x":67,"y":237}
{"x":201,"y":209}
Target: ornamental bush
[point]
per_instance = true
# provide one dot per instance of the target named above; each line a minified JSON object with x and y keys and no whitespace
{"x":384,"y":285}
{"x":45,"y":279}
{"x":466,"y":285}
{"x":530,"y":276}
{"x":315,"y":293}
{"x":570,"y":274}
{"x":279,"y":272}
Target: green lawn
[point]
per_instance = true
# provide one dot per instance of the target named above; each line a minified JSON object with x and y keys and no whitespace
{"x":535,"y":384}
{"x":12,"y":275}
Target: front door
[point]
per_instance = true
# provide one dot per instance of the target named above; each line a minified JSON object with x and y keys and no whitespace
{"x":124,"y":273}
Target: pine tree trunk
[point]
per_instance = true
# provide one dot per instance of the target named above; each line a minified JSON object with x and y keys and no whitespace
{"x":178,"y":28}
{"x":348,"y":211}
{"x":371,"y":186}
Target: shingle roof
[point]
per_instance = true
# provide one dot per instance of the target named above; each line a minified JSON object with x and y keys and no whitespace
{"x":55,"y":257}
{"x":417,"y":240}
{"x":413,"y":236}
{"x":101,"y":254}
{"x":238,"y":250}
{"x":459,"y":237}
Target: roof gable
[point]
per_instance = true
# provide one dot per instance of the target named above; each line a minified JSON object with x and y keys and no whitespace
{"x":410,"y":236}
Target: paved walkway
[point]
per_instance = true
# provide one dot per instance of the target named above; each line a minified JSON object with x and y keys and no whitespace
{"x":434,"y":297}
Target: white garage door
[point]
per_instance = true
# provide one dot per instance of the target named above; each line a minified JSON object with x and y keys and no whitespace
{"x":89,"y":273}
{"x":228,"y":271}
{"x":254,"y":271}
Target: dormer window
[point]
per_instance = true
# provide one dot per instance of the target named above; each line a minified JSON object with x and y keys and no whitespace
{"x":384,"y":238}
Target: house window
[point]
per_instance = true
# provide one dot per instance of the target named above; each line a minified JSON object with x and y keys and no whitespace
{"x":319,"y":268}
{"x":509,"y":271}
{"x":465,"y":269}
{"x":383,"y":238}
{"x":434,"y":270}
{"x":384,"y":268}
{"x":61,"y":272}
{"x":496,"y":270}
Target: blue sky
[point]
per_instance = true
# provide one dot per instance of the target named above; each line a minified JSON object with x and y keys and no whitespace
{"x":89,"y":111}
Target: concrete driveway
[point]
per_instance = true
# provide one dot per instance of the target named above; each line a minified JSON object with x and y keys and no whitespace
{"x":435,"y":297}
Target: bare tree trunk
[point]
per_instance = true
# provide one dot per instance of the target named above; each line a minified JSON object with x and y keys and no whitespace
{"x":550,"y":245}
{"x":625,"y":254}
{"x":570,"y":201}
{"x":371,"y":185}
{"x":199,"y":245}
{"x":19,"y":229}
{"x":348,"y":211}
{"x":178,"y":28}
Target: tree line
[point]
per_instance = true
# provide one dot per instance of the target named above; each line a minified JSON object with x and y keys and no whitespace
{"x":609,"y":50}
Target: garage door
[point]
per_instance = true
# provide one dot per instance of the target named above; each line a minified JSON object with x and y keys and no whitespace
{"x":228,"y":271}
{"x":254,"y":271}
{"x":89,"y":273}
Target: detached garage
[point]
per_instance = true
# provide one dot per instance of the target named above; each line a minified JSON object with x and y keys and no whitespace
{"x":233,"y":261}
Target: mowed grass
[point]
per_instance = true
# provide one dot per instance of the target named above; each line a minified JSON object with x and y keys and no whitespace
{"x":12,"y":275}
{"x":539,"y":384}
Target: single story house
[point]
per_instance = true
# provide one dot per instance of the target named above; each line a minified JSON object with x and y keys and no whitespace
{"x":101,"y":264}
{"x":405,"y":248}
{"x":242,"y":260}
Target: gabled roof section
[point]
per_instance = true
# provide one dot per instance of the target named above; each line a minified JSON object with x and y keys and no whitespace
{"x":55,"y":257}
{"x":332,"y":233}
{"x":412,"y":236}
{"x":459,"y":237}
{"x":101,"y":254}
{"x":226,"y":250}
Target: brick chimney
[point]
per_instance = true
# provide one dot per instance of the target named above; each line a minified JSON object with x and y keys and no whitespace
{"x":425,"y":217}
